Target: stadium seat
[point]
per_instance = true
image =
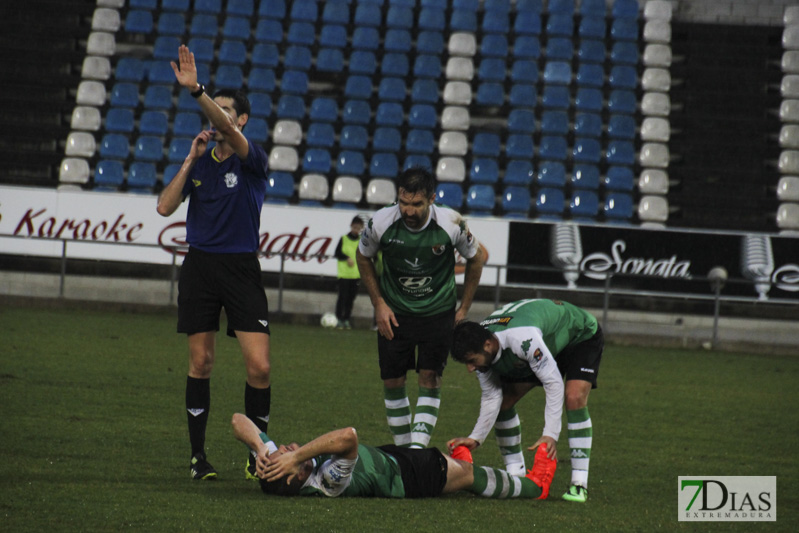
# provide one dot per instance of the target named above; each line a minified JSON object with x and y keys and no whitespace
{"x":592,"y":27}
{"x":290,"y":106}
{"x":484,"y":170}
{"x":351,"y":163}
{"x":659,"y":104}
{"x":316,"y":160}
{"x":158,"y":97}
{"x":590,"y":75}
{"x":618,"y":206}
{"x":86,"y":118}
{"x":109,"y":173}
{"x":123,"y":94}
{"x":83,"y":144}
{"x":186,"y":124}
{"x":330,"y":60}
{"x":555,"y":97}
{"x":397,"y":40}
{"x":557,"y":73}
{"x":141,"y":176}
{"x":288,"y":132}
{"x":584,"y":204}
{"x":657,"y":31}
{"x":450,"y":194}
{"x":526,"y":47}
{"x":430,"y":42}
{"x":655,"y":129}
{"x":516,"y":199}
{"x":101,"y":43}
{"x":463,"y":20}
{"x":257,"y":130}
{"x":491,"y":69}
{"x":347,"y":190}
{"x":313,"y":188}
{"x":625,"y":9}
{"x":362,"y":62}
{"x":130,"y":69}
{"x":151,"y":148}
{"x":399,"y":17}
{"x":356,"y":112}
{"x":451,"y":169}
{"x":518,"y":172}
{"x":624,"y":53}
{"x":260,"y":105}
{"x":588,"y":99}
{"x":283,"y":158}
{"x":553,"y":122}
{"x":336,"y":13}
{"x":229,"y":77}
{"x":304,"y":10}
{"x":261,"y":79}
{"x":394,"y":64}
{"x":453,"y":143}
{"x":462,"y":44}
{"x":114,"y":146}
{"x":560,"y":24}
{"x":624,"y":29}
{"x":622,"y":101}
{"x":519,"y":146}
{"x":241,"y":8}
{"x":653,"y":208}
{"x":96,"y":68}
{"x":527,"y":23}
{"x":383,"y":165}
{"x":494,"y":45}
{"x":202,"y":48}
{"x":391,"y":90}
{"x":588,"y":125}
{"x":280,"y":186}
{"x":302,"y":33}
{"x":427,"y":66}
{"x":653,"y":181}
{"x":424,"y":91}
{"x":551,"y":174}
{"x":358,"y":86}
{"x":294,"y":82}
{"x":365,"y":38}
{"x":559,"y":48}
{"x":353,"y":137}
{"x":171,"y":23}
{"x":275,"y":9}
{"x":323,"y":109}
{"x":591,"y":51}
{"x":160,"y":72}
{"x":480,"y":199}
{"x":232,"y":52}
{"x":621,"y":127}
{"x":389,"y":114}
{"x":657,"y":55}
{"x":620,"y":152}
{"x":204,"y":25}
{"x":119,"y":120}
{"x":417,"y":160}
{"x":788,"y":189}
{"x":495,"y":22}
{"x":561,"y":6}
{"x":523,"y":95}
{"x":320,"y":135}
{"x":208,"y":6}
{"x":585,"y":177}
{"x":333,"y":36}
{"x":656,"y":79}
{"x":549,"y":201}
{"x":381,"y":192}
{"x":552,"y":148}
{"x":787,"y":217}
{"x":269,"y":31}
{"x":431,"y":19}
{"x":422,"y":116}
{"x":490,"y":94}
{"x":654,"y":155}
{"x":386,"y":140}
{"x":455,"y":118}
{"x":524,"y":71}
{"x":187,"y":103}
{"x":619,"y":178}
{"x":153,"y":123}
{"x":139,"y":21}
{"x":623,"y":77}
{"x":73,"y":170}
{"x":297,"y":57}
{"x":486,"y":144}
{"x":178,"y":149}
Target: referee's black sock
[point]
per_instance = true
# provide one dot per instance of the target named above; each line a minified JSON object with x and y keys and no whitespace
{"x":257,"y":403}
{"x":198,"y":403}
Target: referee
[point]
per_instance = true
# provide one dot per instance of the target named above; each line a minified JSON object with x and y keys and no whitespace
{"x":226,"y":186}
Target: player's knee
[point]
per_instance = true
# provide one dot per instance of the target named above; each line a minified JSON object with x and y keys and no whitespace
{"x":259,"y":369}
{"x":576,"y":400}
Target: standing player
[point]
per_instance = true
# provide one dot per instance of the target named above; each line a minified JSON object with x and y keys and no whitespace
{"x":347,"y":273}
{"x":414,"y":298}
{"x":226,"y":187}
{"x":519,"y":346}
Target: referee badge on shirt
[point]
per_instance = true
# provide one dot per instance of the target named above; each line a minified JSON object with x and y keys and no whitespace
{"x":231,"y":180}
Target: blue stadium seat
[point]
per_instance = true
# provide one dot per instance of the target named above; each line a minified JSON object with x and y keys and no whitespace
{"x":166,"y":47}
{"x":186,"y":102}
{"x":559,"y":48}
{"x":552,"y":147}
{"x":625,"y":9}
{"x":356,"y":112}
{"x":417,"y":160}
{"x":241,"y":8}
{"x":323,"y":109}
{"x":399,"y":17}
{"x":480,"y":198}
{"x":422,"y":116}
{"x":420,"y":141}
{"x":279,"y":186}
{"x":592,"y":27}
{"x":304,"y":10}
{"x":141,"y":176}
{"x":427,"y":66}
{"x":624,"y":29}
{"x":294,"y":82}
{"x":590,"y":75}
{"x":125,"y":94}
{"x":524,"y":71}
{"x":588,"y":125}
{"x":526,"y":47}
{"x":151,"y":148}
{"x":516,"y":199}
{"x":383,"y":165}
{"x":486,"y":144}
{"x":202,"y":48}
{"x":297,"y":58}
{"x":557,"y":73}
{"x":158,"y":97}
{"x":229,"y":77}
{"x":139,"y":21}
{"x":521,"y":121}
{"x":177,"y":150}
{"x":394,"y":64}
{"x":494,"y":45}
{"x":585,"y":177}
{"x":208,"y":6}
{"x":586,"y":150}
{"x":187,"y":124}
{"x":109,"y":173}
{"x":290,"y":106}
{"x":362,"y":62}
{"x":618,"y":206}
{"x":353,"y":137}
{"x":519,"y":146}
{"x":365,"y":38}
{"x":490,"y":94}
{"x":619,"y":178}
{"x":424,"y":91}
{"x":130,"y":69}
{"x":623,"y":77}
{"x":550,"y":201}
{"x":484,"y":170}
{"x":358,"y":87}
{"x":143,"y":4}
{"x":556,"y":97}
{"x":261,"y":79}
{"x":530,"y":5}
{"x":554,"y":122}
{"x":153,"y":123}
{"x":330,"y":60}
{"x":320,"y":135}
{"x":333,"y":35}
{"x":265,"y":55}
{"x":269,"y":30}
{"x":527,"y":23}
{"x":495,"y":21}
{"x":119,"y":120}
{"x":463,"y":20}
{"x":561,"y":6}
{"x":160,"y":71}
{"x":350,"y":163}
{"x":430,"y":42}
{"x":397,"y":40}
{"x":624,"y":53}
{"x":523,"y":95}
{"x":256,"y":130}
{"x":175,"y":5}
{"x":367,"y":15}
{"x":593,"y":7}
{"x":621,"y":127}
{"x":518,"y":172}
{"x":440,"y":4}
{"x":450,"y":194}
{"x":432,"y":19}
{"x":588,"y":99}
{"x":274,"y":9}
{"x":336,"y":13}
{"x":551,"y":174}
{"x":560,"y":24}
{"x":169,"y":172}
{"x":491,"y":69}
{"x":232,"y":52}
{"x":114,"y":146}
{"x":389,"y":114}
{"x":584,"y":205}
{"x":386,"y":140}
{"x":620,"y":153}
{"x":391,"y":90}
{"x":171,"y":23}
{"x":622,"y":101}
{"x":316,"y":160}
{"x":301,"y":33}
{"x":591,"y":51}
{"x":204,"y":25}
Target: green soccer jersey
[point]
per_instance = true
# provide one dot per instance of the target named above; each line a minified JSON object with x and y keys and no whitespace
{"x":531,"y":334}
{"x":373,"y":473}
{"x":418,"y":266}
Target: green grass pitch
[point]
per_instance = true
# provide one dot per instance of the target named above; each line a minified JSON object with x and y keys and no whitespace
{"x":93,"y":432}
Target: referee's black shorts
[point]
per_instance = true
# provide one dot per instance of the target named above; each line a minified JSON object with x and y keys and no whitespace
{"x":208,"y":282}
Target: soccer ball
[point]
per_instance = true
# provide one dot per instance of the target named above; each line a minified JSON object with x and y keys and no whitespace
{"x":329,"y":320}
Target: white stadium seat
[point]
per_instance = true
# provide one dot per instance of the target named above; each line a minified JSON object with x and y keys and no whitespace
{"x":657,"y":31}
{"x":657,"y":10}
{"x":790,"y":62}
{"x":91,"y":93}
{"x":788,"y":162}
{"x":653,"y":181}
{"x":347,"y":189}
{"x":105,"y":19}
{"x":654,"y":155}
{"x":789,"y":136}
{"x":381,"y":192}
{"x":653,"y":208}
{"x":788,"y":189}
{"x":451,"y":169}
{"x":73,"y":170}
{"x":656,"y":104}
{"x":655,"y":129}
{"x":789,"y":88}
{"x":455,"y":118}
{"x":460,"y":68}
{"x":313,"y":187}
{"x":283,"y":158}
{"x":453,"y":143}
{"x":789,"y":111}
{"x":657,"y":55}
{"x":96,"y":68}
{"x":457,"y":93}
{"x":86,"y":118}
{"x":656,"y":79}
{"x":287,"y":132}
{"x":81,"y":144}
{"x":101,"y":44}
{"x":462,"y":44}
{"x":788,"y":216}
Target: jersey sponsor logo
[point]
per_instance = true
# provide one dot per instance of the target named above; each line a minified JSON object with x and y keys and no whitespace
{"x":231,"y":180}
{"x":439,"y":249}
{"x":500,"y":320}
{"x":396,"y":241}
{"x":420,"y":428}
{"x":587,"y":370}
{"x":415,"y":283}
{"x":415,"y":265}
{"x":195,"y":412}
{"x":264,"y":323}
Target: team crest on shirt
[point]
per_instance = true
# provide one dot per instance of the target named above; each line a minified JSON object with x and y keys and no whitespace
{"x":439,"y":249}
{"x":231,"y":180}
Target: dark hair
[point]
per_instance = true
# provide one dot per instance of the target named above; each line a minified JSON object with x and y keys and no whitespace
{"x":356,"y":220}
{"x":468,"y":337}
{"x":240,"y":101}
{"x":417,"y":179}
{"x":279,"y":487}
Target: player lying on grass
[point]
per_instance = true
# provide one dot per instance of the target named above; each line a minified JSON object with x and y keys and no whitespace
{"x":336,"y":464}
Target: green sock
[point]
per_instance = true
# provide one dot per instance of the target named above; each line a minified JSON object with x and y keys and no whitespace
{"x":494,"y":483}
{"x":580,"y":435}
{"x":398,"y":413}
{"x":426,"y":416}
{"x":508,"y":432}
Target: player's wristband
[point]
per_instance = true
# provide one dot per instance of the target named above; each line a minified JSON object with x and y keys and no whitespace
{"x":199,"y":92}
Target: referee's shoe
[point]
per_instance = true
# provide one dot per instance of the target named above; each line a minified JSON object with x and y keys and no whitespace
{"x":200,"y":468}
